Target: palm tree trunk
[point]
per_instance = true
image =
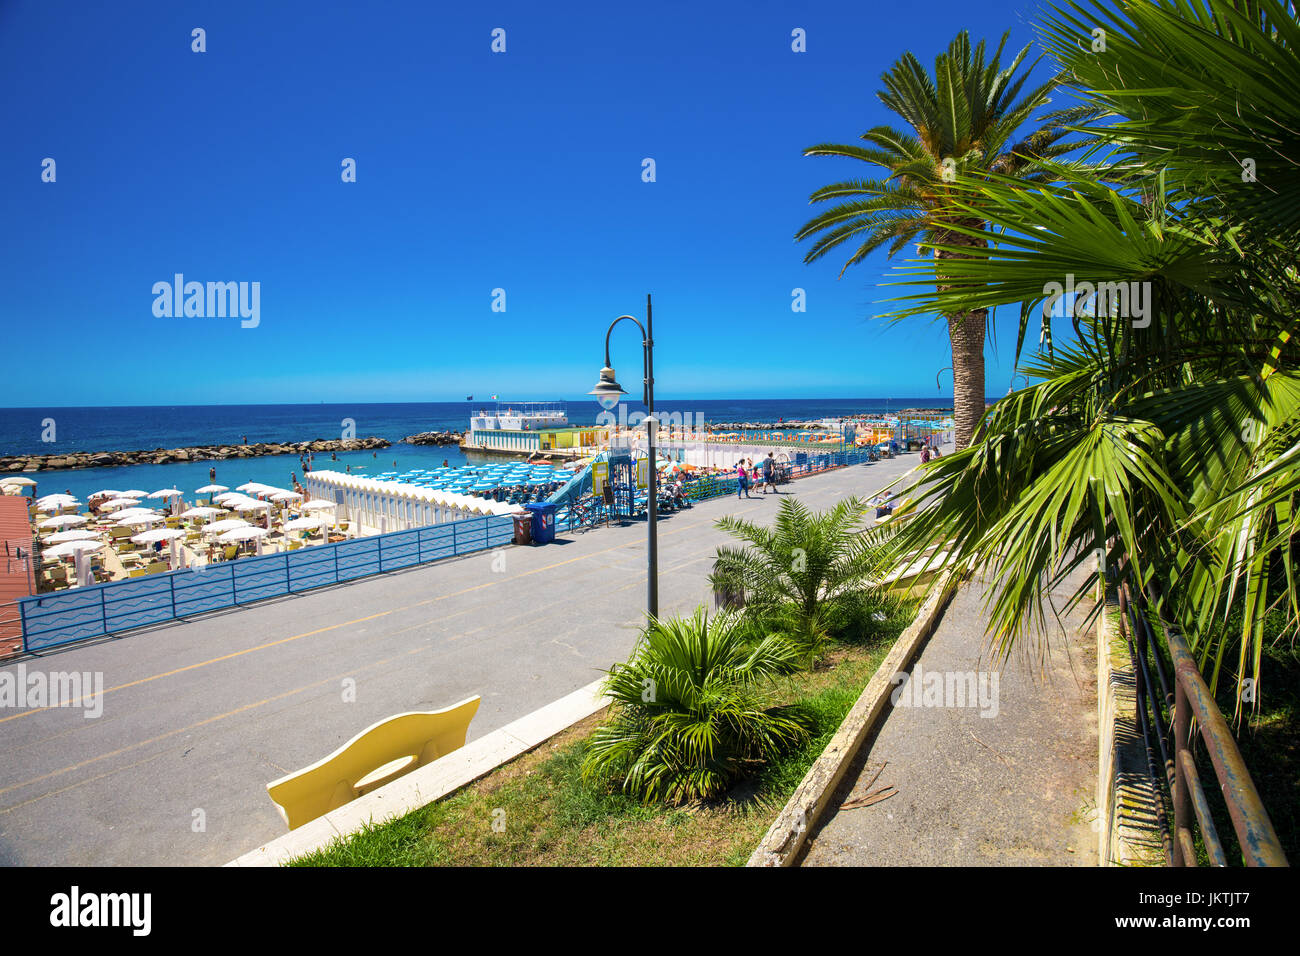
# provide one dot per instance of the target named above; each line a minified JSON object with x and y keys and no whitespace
{"x":967,"y":334}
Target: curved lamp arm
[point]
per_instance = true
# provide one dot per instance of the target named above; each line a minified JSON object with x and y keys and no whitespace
{"x":645,"y":354}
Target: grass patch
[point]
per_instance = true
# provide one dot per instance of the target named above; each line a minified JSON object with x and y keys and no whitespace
{"x":538,"y":811}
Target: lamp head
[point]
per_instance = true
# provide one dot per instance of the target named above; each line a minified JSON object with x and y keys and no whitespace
{"x":607,"y":391}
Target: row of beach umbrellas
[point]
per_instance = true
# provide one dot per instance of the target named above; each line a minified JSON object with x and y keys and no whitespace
{"x":71,"y":541}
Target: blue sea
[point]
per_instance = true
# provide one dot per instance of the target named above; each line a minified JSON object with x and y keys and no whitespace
{"x":126,"y":428}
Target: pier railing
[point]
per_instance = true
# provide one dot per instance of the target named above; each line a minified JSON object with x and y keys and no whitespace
{"x":1174,"y":707}
{"x":78,"y":614}
{"x":798,"y":466}
{"x":704,"y":487}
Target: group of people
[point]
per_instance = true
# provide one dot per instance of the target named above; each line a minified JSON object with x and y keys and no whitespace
{"x":747,"y":472}
{"x":928,"y":453}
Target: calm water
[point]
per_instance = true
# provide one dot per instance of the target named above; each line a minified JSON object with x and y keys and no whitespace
{"x":134,"y":428}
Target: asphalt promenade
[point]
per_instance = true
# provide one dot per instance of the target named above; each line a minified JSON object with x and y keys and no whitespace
{"x":199,"y":715}
{"x":1003,"y":777}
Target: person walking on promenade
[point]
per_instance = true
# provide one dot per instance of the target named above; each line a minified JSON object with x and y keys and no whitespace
{"x":925,"y":454}
{"x":742,"y":482}
{"x":769,"y":474}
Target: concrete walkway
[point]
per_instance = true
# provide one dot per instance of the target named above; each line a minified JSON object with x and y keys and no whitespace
{"x":198,"y":716}
{"x":1006,"y":780}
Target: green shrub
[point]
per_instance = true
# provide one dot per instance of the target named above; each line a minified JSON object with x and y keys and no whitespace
{"x":804,"y":559}
{"x":688,"y":716}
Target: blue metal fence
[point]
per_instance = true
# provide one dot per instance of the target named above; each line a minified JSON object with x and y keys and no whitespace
{"x":49,"y":620}
{"x":803,"y":463}
{"x":707,"y":486}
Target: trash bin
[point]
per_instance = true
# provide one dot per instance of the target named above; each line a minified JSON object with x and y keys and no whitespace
{"x":543,"y":528}
{"x":523,"y":528}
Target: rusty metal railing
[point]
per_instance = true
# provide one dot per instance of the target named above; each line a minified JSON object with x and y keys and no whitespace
{"x":1169,"y":710}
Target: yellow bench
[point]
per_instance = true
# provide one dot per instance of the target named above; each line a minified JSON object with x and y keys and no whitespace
{"x":378,"y":755}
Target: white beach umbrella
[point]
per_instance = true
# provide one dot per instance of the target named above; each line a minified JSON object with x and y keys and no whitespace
{"x":318,"y":504}
{"x":59,"y":537}
{"x":251,"y":504}
{"x":308,"y":523}
{"x":157,"y":534}
{"x":305,"y":523}
{"x":80,"y":551}
{"x":171,"y":535}
{"x":239,"y":535}
{"x":134,"y":493}
{"x":140,"y":521}
{"x":252,"y":487}
{"x":54,"y":502}
{"x":107,"y":493}
{"x":131,"y":513}
{"x":171,"y":494}
{"x":70,"y":548}
{"x":115,"y":503}
{"x":210,"y":489}
{"x":61,"y":521}
{"x":17,"y":481}
{"x":201,"y":512}
{"x":286,"y":496}
{"x":225,"y":524}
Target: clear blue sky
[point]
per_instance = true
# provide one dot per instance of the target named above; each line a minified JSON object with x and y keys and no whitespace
{"x":475,"y":171}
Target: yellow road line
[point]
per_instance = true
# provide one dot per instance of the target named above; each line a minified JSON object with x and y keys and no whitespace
{"x":289,"y":693}
{"x":180,"y":730}
{"x":341,"y":624}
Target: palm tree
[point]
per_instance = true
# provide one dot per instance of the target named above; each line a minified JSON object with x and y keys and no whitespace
{"x":688,"y":716}
{"x":804,"y":559}
{"x":798,"y":575}
{"x":1173,"y":441}
{"x":962,"y":122}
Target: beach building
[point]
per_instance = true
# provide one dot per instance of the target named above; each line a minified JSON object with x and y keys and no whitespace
{"x":527,"y":428}
{"x":17,"y":578}
{"x":378,"y":506}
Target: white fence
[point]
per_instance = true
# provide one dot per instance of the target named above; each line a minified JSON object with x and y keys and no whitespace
{"x":383,"y":506}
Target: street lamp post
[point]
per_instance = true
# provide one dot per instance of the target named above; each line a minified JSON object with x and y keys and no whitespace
{"x":607,"y":392}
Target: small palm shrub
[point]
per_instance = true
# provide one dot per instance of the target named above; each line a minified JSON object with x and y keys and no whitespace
{"x":805,"y":576}
{"x":689,"y":715}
